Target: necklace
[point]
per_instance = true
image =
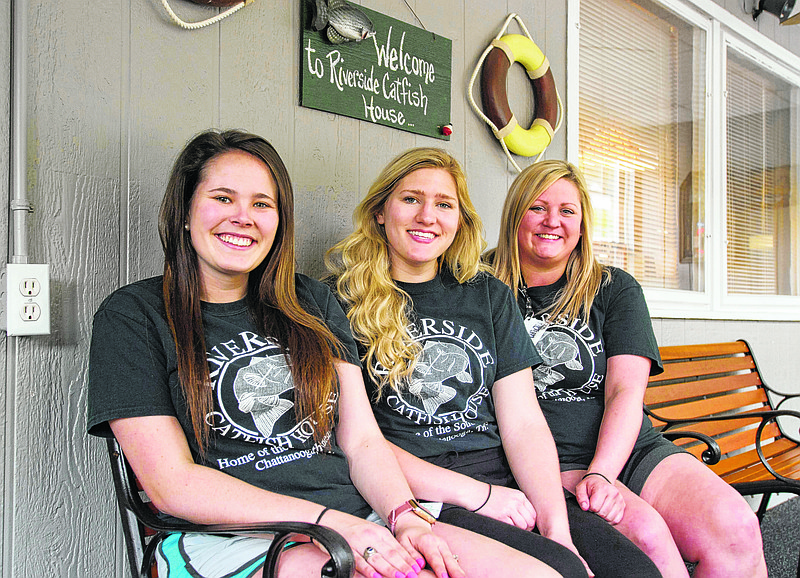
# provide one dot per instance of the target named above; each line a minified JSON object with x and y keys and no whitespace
{"x":536,"y":327}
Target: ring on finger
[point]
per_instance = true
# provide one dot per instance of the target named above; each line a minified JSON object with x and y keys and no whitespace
{"x":369,"y":552}
{"x":455,"y":557}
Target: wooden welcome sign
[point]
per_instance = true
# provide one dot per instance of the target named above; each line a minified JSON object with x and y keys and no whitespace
{"x":399,"y":77}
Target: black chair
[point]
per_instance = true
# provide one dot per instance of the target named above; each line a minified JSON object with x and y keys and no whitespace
{"x":144,"y":528}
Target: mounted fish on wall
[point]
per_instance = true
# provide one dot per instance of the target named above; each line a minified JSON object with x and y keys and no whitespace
{"x":363,"y":64}
{"x":345,"y":23}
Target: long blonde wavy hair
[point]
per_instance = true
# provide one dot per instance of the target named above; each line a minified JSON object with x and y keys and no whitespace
{"x":378,"y":308}
{"x":584,"y":273}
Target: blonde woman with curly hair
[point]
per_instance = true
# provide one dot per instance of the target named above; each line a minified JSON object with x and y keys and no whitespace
{"x":448,"y":363}
{"x":591,"y":326}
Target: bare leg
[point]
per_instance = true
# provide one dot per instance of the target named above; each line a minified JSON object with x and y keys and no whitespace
{"x":648,"y":530}
{"x":645,"y":527}
{"x":710,"y":522}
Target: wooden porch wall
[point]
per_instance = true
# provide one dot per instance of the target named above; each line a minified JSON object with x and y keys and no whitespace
{"x":114,"y":91}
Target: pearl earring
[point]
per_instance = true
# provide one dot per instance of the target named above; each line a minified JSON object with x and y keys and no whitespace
{"x":186,"y":226}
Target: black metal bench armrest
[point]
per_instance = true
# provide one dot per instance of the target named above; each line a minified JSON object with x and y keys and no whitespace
{"x":711,"y":455}
{"x":778,"y":413}
{"x":784,"y":394}
{"x":765,"y":416}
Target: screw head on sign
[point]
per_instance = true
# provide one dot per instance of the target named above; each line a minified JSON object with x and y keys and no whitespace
{"x":447,"y":129}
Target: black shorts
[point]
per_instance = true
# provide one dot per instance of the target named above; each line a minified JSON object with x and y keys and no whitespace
{"x":643,"y":460}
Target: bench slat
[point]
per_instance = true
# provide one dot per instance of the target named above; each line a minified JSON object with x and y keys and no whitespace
{"x":670,"y":352}
{"x":741,"y":440}
{"x":716,"y":428}
{"x":675,"y":392}
{"x":714,"y":405}
{"x":700,"y":367}
{"x":786,"y":464}
{"x":737,"y":463}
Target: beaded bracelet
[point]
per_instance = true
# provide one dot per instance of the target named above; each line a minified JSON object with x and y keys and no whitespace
{"x":587,"y":474}
{"x":486,"y":501}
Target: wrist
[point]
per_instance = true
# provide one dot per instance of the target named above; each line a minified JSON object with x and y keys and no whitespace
{"x":485,"y":500}
{"x":409,"y":507}
{"x":553,"y":525}
{"x":410,"y":524}
{"x":321,"y":514}
{"x":597,"y":474}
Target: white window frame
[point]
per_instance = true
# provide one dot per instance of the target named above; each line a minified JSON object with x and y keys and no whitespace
{"x":723,"y":31}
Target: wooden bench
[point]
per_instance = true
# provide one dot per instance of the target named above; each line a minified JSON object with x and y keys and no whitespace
{"x":712,"y":400}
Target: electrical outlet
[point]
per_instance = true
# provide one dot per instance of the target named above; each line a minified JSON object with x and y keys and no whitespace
{"x":30,"y":312}
{"x":27,"y":299}
{"x":30,"y":287}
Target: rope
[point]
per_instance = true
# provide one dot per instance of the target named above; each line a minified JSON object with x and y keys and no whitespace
{"x":202,"y":23}
{"x":477,"y":109}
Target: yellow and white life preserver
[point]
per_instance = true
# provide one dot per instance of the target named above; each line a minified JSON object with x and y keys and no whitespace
{"x":507,"y":50}
{"x":498,"y":57}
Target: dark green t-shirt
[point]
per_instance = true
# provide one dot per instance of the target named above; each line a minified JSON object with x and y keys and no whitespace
{"x":471,"y":335}
{"x":255,"y":436}
{"x":570,"y":382}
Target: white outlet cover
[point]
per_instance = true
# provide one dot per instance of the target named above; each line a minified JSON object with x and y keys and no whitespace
{"x":16,"y":301}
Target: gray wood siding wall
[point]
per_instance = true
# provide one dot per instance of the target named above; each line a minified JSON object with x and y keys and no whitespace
{"x":114,"y":91}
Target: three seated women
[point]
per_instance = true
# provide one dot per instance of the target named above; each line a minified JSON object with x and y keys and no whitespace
{"x":231,"y":354}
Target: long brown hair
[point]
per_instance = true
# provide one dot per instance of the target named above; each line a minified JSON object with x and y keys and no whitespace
{"x":271,"y":296}
{"x":584,"y":273}
{"x":378,"y":308}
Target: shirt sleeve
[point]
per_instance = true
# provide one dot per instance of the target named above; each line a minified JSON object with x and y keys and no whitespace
{"x":128,"y":375}
{"x":334,"y":317}
{"x":627,"y":329}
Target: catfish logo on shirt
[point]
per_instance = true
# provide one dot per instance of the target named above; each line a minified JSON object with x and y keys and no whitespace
{"x":567,"y":351}
{"x":254,"y":394}
{"x":448,"y":381}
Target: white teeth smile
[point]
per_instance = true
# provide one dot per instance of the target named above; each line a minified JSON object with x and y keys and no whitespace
{"x":546,"y":236}
{"x":422,"y":234}
{"x":234,"y":240}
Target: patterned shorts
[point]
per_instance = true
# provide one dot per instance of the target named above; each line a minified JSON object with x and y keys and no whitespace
{"x":210,"y":556}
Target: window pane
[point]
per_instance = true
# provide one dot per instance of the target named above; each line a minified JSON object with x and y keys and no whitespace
{"x":641,"y":139}
{"x":761,"y":159}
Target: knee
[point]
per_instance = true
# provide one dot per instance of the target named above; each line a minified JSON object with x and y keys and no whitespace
{"x":651,"y":534}
{"x":736,"y":526}
{"x":736,"y":540}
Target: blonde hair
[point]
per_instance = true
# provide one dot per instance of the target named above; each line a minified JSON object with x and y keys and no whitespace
{"x":584,"y":273}
{"x":378,"y":308}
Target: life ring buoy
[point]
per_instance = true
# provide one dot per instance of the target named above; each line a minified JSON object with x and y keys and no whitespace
{"x":507,"y":50}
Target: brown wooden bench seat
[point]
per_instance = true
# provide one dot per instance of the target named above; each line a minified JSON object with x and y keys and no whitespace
{"x":714,"y":393}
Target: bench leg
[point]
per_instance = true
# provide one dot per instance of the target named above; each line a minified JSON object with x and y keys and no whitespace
{"x":762,"y":507}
